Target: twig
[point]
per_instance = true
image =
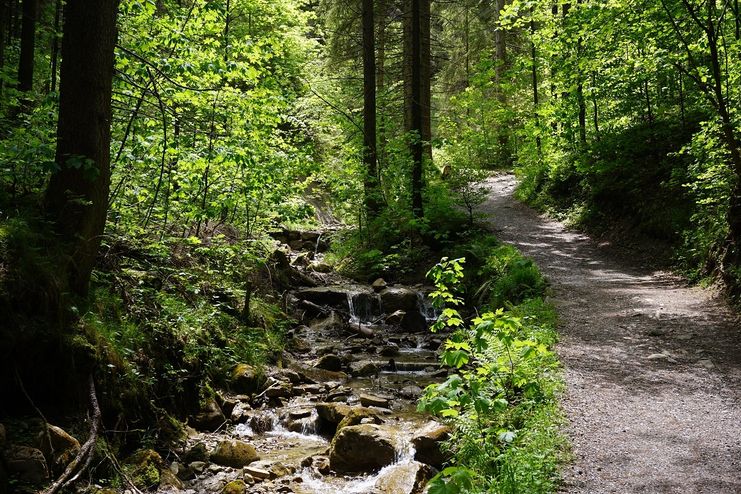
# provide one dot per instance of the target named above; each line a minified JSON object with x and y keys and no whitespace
{"x":85,"y":456}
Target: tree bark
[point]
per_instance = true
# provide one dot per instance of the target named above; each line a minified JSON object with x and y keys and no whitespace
{"x":28,"y":42}
{"x":55,"y":46}
{"x":77,"y":195}
{"x":370,"y":180}
{"x":414,"y":78}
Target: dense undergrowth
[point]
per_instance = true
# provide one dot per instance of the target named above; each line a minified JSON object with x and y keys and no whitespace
{"x":501,"y":401}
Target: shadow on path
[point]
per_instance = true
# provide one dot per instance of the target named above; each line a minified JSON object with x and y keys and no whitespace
{"x":653,"y":367}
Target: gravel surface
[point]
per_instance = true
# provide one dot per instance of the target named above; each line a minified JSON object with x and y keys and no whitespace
{"x":652,"y":366}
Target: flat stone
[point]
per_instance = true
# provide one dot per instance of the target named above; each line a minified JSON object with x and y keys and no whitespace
{"x":257,"y":473}
{"x":374,"y":401}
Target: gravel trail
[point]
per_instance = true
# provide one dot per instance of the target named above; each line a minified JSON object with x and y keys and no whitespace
{"x":652,"y":366}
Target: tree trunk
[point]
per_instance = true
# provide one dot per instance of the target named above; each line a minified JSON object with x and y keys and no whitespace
{"x":77,"y":195}
{"x":536,"y":99}
{"x":370,"y":180}
{"x":416,"y":75}
{"x":55,"y":46}
{"x":381,"y":88}
{"x":28,"y":41}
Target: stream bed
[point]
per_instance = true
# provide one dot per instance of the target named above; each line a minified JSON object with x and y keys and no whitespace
{"x":337,"y":414}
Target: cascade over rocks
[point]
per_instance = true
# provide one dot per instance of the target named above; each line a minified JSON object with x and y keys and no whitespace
{"x":409,"y":478}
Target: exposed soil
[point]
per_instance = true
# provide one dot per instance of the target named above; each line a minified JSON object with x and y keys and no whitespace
{"x":652,"y":366}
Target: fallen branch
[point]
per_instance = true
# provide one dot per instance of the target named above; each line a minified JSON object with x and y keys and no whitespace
{"x":85,"y":456}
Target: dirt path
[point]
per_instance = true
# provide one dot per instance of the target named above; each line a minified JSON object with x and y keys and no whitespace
{"x":653,"y":368}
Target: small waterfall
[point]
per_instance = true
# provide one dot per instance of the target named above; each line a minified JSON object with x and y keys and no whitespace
{"x":364,"y":307}
{"x":310,"y":425}
{"x":426,"y":308}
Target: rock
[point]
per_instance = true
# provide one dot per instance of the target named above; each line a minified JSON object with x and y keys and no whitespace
{"x":413,"y":322}
{"x":301,"y":413}
{"x":227,"y":404}
{"x":411,"y":392}
{"x":289,"y":375}
{"x":389,"y":350}
{"x":210,"y":418}
{"x":379,"y":285}
{"x":240,"y":413}
{"x":246,"y":379}
{"x":364,"y":368}
{"x":234,"y":453}
{"x":374,"y":401}
{"x":3,"y":436}
{"x":320,"y":267}
{"x":58,"y":447}
{"x":181,"y":471}
{"x":310,"y":236}
{"x":143,"y":468}
{"x":235,"y":487}
{"x":358,"y":416}
{"x":362,"y":448}
{"x":279,"y":389}
{"x":278,"y":470}
{"x":308,"y":389}
{"x":407,"y":478}
{"x":303,"y":259}
{"x":397,"y":298}
{"x":262,"y":422}
{"x":257,"y":473}
{"x":328,"y":296}
{"x":330,"y":362}
{"x":199,"y":452}
{"x":168,"y":480}
{"x":319,"y":463}
{"x":332,"y":413}
{"x":198,"y":466}
{"x":26,"y":463}
{"x":395,"y":318}
{"x":3,"y":479}
{"x":428,"y":447}
{"x":333,"y":322}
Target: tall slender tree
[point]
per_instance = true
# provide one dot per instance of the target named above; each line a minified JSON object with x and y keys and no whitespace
{"x":370,"y":155}
{"x":77,"y":195}
{"x":28,"y":43}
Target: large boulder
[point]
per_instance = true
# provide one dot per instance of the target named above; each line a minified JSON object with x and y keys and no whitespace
{"x":326,"y":296}
{"x":413,"y":322}
{"x":427,"y":444}
{"x":58,"y":447}
{"x":234,"y":453}
{"x":27,"y":464}
{"x":209,"y":418}
{"x":406,"y":478}
{"x":362,"y":448}
{"x":399,"y":298}
{"x":247,"y":379}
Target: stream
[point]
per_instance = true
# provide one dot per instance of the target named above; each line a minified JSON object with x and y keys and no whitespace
{"x":339,"y":415}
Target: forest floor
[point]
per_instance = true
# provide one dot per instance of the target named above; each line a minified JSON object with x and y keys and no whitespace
{"x":652,"y":366}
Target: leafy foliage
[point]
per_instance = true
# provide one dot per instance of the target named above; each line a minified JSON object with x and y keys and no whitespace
{"x":500,"y":398}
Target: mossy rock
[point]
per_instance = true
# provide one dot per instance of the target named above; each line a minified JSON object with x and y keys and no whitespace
{"x":235,"y":454}
{"x":235,"y":487}
{"x":247,"y":379}
{"x":143,"y":468}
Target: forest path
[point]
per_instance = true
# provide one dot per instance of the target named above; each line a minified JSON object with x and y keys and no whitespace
{"x":652,"y":367}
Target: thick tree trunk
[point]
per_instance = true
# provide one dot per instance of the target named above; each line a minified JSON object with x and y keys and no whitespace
{"x":28,"y":42}
{"x":370,"y":181}
{"x":77,"y":195}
